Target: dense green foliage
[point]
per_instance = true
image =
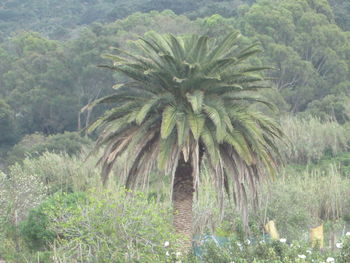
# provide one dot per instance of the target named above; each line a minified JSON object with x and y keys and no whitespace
{"x":36,"y":144}
{"x":45,"y":82}
{"x":62,"y":227}
{"x":49,"y":52}
{"x":59,"y":19}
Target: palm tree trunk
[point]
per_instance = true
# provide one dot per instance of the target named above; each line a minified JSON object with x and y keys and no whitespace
{"x":182,"y":203}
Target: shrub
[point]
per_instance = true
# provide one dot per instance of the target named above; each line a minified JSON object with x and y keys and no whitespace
{"x":35,"y":228}
{"x":112,"y":227}
{"x":19,"y":192}
{"x":59,"y":172}
{"x":344,"y":256}
{"x":36,"y":144}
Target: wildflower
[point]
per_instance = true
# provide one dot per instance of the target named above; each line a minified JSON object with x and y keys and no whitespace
{"x":309,"y":251}
{"x":301,"y":256}
{"x":166,"y":243}
{"x":248,"y":242}
{"x":339,"y":245}
{"x":167,"y":253}
{"x":347,"y":234}
{"x":330,"y":259}
{"x":283,"y":240}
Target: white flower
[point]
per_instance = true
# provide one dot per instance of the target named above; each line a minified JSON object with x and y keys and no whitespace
{"x":309,"y":251}
{"x":347,"y":234}
{"x":302,"y":256}
{"x":339,"y":245}
{"x":330,"y":259}
{"x":283,"y":240}
{"x":166,"y":243}
{"x":178,"y":254}
{"x":167,"y":253}
{"x":248,"y":242}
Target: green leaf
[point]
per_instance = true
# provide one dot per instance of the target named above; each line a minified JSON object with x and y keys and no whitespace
{"x":210,"y":143}
{"x":145,"y":110}
{"x":196,"y":101}
{"x":224,"y":46}
{"x":181,"y":128}
{"x":168,"y":121}
{"x":196,"y":122}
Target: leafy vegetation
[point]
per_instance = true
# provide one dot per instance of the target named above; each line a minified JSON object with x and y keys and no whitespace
{"x":65,"y":226}
{"x":53,"y":207}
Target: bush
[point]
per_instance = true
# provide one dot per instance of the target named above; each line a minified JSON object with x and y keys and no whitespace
{"x":112,"y":227}
{"x":59,"y":172}
{"x":19,"y":192}
{"x":35,"y":228}
{"x":344,"y":256}
{"x":36,"y":144}
{"x":25,"y":187}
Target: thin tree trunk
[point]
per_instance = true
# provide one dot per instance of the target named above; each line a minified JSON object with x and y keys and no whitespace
{"x":182,"y":203}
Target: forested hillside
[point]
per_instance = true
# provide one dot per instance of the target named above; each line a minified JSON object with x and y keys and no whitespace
{"x":58,"y":19}
{"x":53,"y":60}
{"x":45,"y":81}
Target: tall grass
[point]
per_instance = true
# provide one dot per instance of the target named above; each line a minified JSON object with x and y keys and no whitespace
{"x":298,"y":201}
{"x":312,"y":138}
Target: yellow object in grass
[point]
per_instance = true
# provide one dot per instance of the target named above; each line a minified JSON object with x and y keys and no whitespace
{"x":316,"y":236}
{"x":271,"y":229}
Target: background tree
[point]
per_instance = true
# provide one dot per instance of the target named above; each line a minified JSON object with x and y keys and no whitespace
{"x":185,"y":97}
{"x":7,"y":124}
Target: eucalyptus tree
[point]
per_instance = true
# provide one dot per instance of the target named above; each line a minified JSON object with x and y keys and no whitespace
{"x":188,"y":97}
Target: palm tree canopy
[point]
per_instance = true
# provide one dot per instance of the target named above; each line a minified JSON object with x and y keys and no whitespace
{"x":186,"y":94}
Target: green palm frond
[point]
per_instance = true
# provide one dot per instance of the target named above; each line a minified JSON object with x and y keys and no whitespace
{"x":196,"y":123}
{"x":196,"y":101}
{"x":168,"y":121}
{"x":182,"y":128}
{"x":224,"y":47}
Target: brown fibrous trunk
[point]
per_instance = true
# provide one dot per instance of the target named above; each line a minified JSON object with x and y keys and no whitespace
{"x":183,"y":190}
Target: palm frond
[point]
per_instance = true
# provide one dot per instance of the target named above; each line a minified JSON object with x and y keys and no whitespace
{"x":196,"y":101}
{"x":168,"y":121}
{"x":224,"y":47}
{"x":196,"y":123}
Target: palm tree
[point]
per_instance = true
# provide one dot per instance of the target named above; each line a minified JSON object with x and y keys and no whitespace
{"x":188,"y":97}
